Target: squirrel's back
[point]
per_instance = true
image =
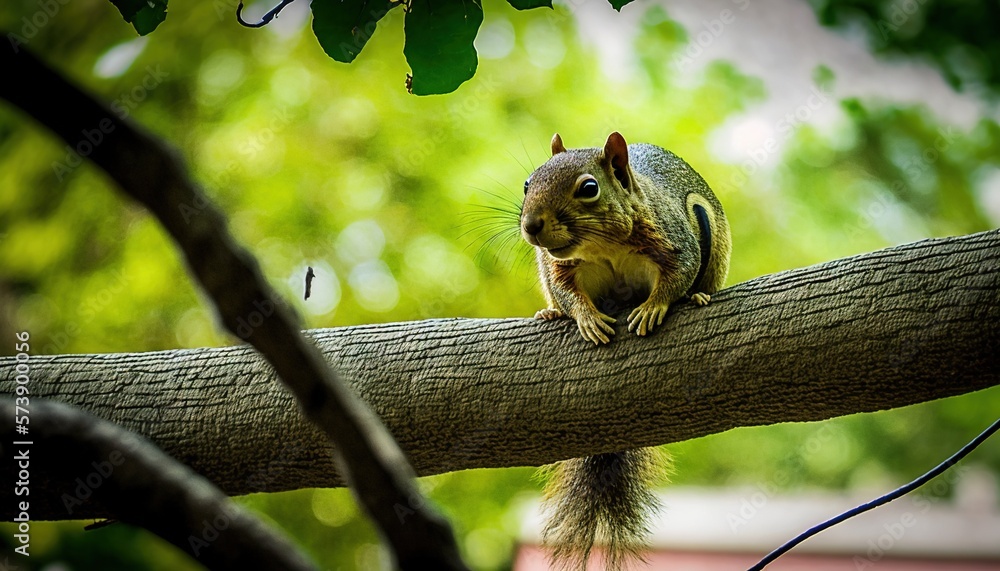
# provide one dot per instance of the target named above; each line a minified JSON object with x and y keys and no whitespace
{"x":673,"y":184}
{"x":667,"y":170}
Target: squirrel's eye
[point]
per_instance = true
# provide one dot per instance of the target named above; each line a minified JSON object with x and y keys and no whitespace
{"x":526,"y":186}
{"x":588,"y":189}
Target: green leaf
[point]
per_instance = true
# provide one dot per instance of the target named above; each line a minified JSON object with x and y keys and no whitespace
{"x":824,"y":78}
{"x":144,"y":15}
{"x":529,"y":4}
{"x":343,"y":27}
{"x":618,"y":4}
{"x":439,"y":43}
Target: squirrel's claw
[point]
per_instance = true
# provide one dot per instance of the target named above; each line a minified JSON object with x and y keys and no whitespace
{"x":646,"y":317}
{"x":701,"y":299}
{"x":595,"y":328}
{"x":548,"y":314}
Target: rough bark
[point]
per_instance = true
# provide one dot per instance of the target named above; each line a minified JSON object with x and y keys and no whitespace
{"x":891,"y":328}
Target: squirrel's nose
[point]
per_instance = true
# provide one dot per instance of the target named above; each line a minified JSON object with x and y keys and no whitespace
{"x":532,"y":224}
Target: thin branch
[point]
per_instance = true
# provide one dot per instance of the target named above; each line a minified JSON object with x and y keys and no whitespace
{"x":152,"y":174}
{"x":95,"y":462}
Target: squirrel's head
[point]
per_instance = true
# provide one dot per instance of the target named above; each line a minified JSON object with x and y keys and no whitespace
{"x":579,"y":198}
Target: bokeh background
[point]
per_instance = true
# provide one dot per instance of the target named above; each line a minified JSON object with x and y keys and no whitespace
{"x":826,"y":128}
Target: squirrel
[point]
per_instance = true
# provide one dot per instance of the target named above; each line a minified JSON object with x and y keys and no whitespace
{"x":615,"y":228}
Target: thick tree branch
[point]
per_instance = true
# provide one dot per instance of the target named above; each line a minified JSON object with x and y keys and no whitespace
{"x":891,"y":328}
{"x":152,"y":174}
{"x":100,"y":461}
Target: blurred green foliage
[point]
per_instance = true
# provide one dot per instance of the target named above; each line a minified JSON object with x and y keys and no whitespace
{"x":957,"y":36}
{"x":387,"y":196}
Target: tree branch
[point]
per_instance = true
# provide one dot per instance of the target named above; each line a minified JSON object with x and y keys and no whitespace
{"x":887,"y":329}
{"x":99,"y":461}
{"x":152,"y":174}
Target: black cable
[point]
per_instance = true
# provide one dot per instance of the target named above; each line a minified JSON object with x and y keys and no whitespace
{"x":895,"y":494}
{"x":265,"y":19}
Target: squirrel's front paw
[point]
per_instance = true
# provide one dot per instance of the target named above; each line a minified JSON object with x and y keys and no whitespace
{"x":594,"y":327}
{"x":548,"y":314}
{"x":644,"y":318}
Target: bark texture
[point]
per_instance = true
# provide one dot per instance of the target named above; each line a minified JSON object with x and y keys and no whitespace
{"x":886,"y":329}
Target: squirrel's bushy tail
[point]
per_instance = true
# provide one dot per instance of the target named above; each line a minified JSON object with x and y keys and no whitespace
{"x":605,"y":497}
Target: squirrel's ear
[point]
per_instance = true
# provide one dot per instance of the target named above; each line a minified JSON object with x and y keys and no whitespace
{"x":557,"y":145}
{"x":616,"y":153}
